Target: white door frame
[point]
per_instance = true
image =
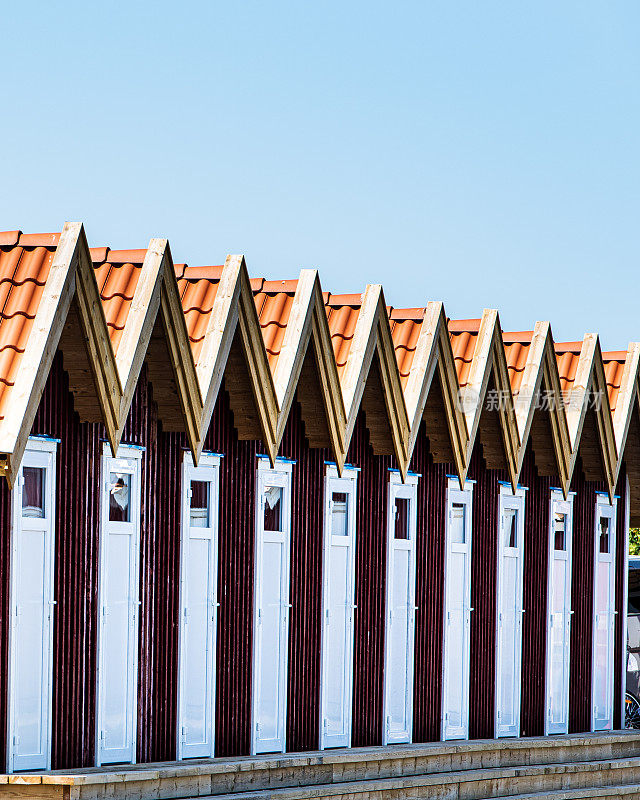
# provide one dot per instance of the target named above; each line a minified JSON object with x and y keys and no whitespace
{"x":562,"y":620}
{"x":604,"y":509}
{"x":510,"y":500}
{"x":463,"y":497}
{"x":625,"y":603}
{"x":279,"y":476}
{"x":207,"y":471}
{"x":409,"y":491}
{"x":346,"y":484}
{"x":38,"y":453}
{"x":128,"y":460}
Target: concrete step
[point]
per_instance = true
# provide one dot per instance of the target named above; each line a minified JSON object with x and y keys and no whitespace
{"x":598,"y":793}
{"x":575,"y":780}
{"x":504,"y":767}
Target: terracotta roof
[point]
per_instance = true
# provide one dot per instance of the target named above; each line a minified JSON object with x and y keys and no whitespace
{"x":614,"y":362}
{"x":343,"y":311}
{"x":567,"y":356}
{"x":406,"y":324}
{"x":464,"y":335}
{"x":198,"y":287}
{"x":117,"y":274}
{"x":273,"y":301}
{"x":25,"y":261}
{"x":516,"y":350}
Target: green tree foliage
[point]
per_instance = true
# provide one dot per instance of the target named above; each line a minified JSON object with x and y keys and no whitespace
{"x":634,"y":541}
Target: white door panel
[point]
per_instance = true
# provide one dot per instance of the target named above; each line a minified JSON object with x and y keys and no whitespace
{"x":119,"y":593}
{"x":400,"y":630}
{"x":559,"y":614}
{"x":271,"y":603}
{"x":457,"y":614}
{"x":338,"y":607}
{"x":509,"y":611}
{"x":198,"y":603}
{"x":32,"y":606}
{"x":604,"y":615}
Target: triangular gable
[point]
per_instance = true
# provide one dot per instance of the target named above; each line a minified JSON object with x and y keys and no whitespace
{"x":142,"y":306}
{"x":423,"y":353}
{"x":298,"y":345}
{"x":589,"y":418}
{"x":485,"y":391}
{"x":539,"y":406}
{"x":50,"y":299}
{"x":227,"y":346}
{"x":368,"y":371}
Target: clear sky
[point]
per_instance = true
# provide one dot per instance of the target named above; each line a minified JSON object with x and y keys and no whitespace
{"x":481,"y":153}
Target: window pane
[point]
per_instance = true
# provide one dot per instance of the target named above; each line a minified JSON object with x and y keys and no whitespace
{"x":339,"y":511}
{"x":604,"y":534}
{"x":199,"y":512}
{"x":560,"y":530}
{"x":33,"y":492}
{"x":458,"y":527}
{"x":119,"y":497}
{"x":402,"y":518}
{"x":511,"y":527}
{"x":273,"y":508}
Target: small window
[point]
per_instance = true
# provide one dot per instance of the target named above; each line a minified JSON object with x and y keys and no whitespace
{"x":511,"y":527}
{"x":199,"y":510}
{"x":339,"y":513}
{"x":120,"y":497}
{"x":33,"y":492}
{"x":604,"y":534}
{"x":273,"y":508}
{"x":560,"y":531}
{"x":458,"y":524}
{"x":401,"y":529}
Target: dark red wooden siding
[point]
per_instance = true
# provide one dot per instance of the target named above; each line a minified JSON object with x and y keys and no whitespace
{"x":483,"y":597}
{"x":371,"y":564}
{"x":430,"y":554}
{"x":534,"y":624}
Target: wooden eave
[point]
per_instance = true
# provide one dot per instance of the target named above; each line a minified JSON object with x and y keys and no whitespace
{"x":434,"y":354}
{"x":541,"y":374}
{"x":489,"y":361}
{"x":156,"y":299}
{"x":71,"y":279}
{"x":589,"y":382}
{"x":234,"y":314}
{"x":372,"y":337}
{"x":307,"y":325}
{"x":628,"y":402}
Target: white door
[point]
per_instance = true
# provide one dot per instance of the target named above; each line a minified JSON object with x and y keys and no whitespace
{"x":271,"y":608}
{"x":509,"y":611}
{"x":119,"y":593}
{"x":457,"y":613}
{"x":32,"y":606}
{"x":401,"y":610}
{"x":604,"y":615}
{"x":559,"y":614}
{"x":199,"y":606}
{"x":336,"y":686}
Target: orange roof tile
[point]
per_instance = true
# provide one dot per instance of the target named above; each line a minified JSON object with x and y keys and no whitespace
{"x":614,"y":362}
{"x":117,"y":274}
{"x":273,"y":300}
{"x":405,"y":329}
{"x":25,"y":261}
{"x":567,"y":356}
{"x":464,"y":335}
{"x":343,"y":311}
{"x":198,"y":287}
{"x":516,"y":350}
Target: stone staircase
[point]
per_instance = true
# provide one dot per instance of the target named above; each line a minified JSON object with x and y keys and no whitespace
{"x":559,"y":768}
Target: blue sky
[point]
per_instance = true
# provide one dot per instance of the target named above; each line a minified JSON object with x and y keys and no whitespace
{"x":481,"y":153}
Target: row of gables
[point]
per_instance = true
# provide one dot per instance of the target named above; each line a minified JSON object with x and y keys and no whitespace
{"x":268,"y":341}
